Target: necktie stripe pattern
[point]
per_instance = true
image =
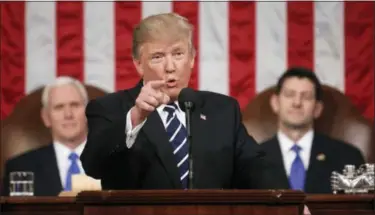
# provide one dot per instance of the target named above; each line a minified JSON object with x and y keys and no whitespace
{"x":73,"y":169}
{"x":298,"y":172}
{"x":178,"y":137}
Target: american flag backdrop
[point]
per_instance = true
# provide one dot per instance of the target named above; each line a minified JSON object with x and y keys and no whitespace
{"x":243,"y":47}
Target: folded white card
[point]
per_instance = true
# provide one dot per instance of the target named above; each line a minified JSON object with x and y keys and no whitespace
{"x":82,"y":182}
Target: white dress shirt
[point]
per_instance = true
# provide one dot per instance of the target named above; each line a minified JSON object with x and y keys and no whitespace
{"x":289,"y":155}
{"x":131,"y":134}
{"x":63,"y":162}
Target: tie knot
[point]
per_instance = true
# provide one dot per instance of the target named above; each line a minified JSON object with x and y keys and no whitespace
{"x":170,"y":108}
{"x":296,"y":148}
{"x":73,"y":156}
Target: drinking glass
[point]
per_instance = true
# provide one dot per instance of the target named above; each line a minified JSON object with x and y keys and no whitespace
{"x":21,"y":184}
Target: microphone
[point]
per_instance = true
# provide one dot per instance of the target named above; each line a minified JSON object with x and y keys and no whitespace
{"x":188,"y":100}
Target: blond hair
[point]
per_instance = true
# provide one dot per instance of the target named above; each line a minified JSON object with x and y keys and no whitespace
{"x":165,"y":26}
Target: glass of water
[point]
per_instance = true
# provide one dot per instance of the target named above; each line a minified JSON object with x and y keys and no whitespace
{"x":21,"y":184}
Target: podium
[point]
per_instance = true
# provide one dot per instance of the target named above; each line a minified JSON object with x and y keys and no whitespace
{"x":341,"y":204}
{"x":239,"y":202}
{"x":189,"y":202}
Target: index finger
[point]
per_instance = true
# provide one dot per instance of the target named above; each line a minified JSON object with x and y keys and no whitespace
{"x":156,"y":84}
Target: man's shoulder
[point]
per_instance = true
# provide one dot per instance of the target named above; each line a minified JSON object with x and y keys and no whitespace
{"x":336,"y":144}
{"x":269,"y":142}
{"x":113,"y":103}
{"x":110,"y":98}
{"x":29,"y":157}
{"x":216,"y":100}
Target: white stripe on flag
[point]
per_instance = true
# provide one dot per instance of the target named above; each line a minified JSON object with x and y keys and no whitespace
{"x":271,"y":43}
{"x":99,"y":45}
{"x":155,"y":7}
{"x":213,"y":48}
{"x":40,"y":44}
{"x":329,"y":43}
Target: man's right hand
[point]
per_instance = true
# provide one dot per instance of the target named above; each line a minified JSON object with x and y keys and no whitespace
{"x":150,"y":97}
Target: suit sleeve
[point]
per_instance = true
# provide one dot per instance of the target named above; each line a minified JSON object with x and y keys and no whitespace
{"x":5,"y":180}
{"x":106,"y":138}
{"x":252,"y":171}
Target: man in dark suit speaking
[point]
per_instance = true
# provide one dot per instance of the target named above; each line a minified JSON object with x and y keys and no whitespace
{"x":137,"y":137}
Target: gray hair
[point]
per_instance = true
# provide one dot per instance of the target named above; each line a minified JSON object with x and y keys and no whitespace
{"x":60,"y":81}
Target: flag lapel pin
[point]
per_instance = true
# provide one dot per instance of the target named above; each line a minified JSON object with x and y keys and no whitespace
{"x":321,"y":157}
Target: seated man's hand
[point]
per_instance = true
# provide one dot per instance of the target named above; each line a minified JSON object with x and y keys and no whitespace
{"x":82,"y":183}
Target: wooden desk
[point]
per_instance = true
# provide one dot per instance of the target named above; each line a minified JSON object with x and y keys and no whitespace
{"x":39,"y":206}
{"x":108,"y":203}
{"x":189,"y":202}
{"x":159,"y":202}
{"x":341,"y":204}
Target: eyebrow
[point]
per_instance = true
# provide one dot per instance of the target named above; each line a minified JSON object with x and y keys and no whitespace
{"x":299,"y":92}
{"x":157,"y":53}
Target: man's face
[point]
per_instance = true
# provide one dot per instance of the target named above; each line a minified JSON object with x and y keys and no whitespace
{"x":169,"y":61}
{"x":65,"y":113}
{"x":296,"y":105}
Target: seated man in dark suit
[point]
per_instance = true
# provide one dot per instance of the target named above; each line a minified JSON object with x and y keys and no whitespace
{"x":304,"y":157}
{"x":137,"y":136}
{"x":63,"y":111}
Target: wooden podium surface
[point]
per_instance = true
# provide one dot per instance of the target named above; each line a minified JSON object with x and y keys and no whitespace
{"x":176,"y":202}
{"x":341,"y":204}
{"x":188,"y":202}
{"x":39,"y":206}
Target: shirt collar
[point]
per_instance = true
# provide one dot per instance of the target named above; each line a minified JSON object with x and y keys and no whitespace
{"x":161,"y":107}
{"x":64,"y":151}
{"x":305,"y":142}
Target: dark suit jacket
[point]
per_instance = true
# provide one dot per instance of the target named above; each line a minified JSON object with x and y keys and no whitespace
{"x":337,"y":155}
{"x":225,"y":156}
{"x":42,"y":162}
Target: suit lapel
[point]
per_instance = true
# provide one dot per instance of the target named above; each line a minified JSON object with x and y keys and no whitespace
{"x":155,"y":131}
{"x":50,"y":179}
{"x":316,"y":165}
{"x":275,"y":155}
{"x":199,"y":121}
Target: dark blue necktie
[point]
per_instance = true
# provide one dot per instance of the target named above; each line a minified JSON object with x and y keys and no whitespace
{"x":297,"y":173}
{"x":177,"y":137}
{"x":73,"y":169}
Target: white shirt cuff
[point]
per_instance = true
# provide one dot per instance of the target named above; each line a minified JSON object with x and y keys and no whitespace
{"x":131,"y":134}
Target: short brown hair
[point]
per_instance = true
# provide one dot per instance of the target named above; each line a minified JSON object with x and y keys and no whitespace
{"x":301,"y":72}
{"x":161,"y":26}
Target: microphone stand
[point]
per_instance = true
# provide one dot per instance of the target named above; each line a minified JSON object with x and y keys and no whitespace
{"x":189,"y":108}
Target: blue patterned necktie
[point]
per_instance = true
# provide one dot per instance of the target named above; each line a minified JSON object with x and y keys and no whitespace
{"x":297,"y":173}
{"x":73,"y":169}
{"x":177,"y":137}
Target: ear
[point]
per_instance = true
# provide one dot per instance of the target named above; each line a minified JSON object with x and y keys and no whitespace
{"x":318,"y":109}
{"x":274,"y":103}
{"x":45,"y":118}
{"x":192,"y":61}
{"x":138,"y":67}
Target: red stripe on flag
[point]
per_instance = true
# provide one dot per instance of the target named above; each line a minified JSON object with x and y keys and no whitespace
{"x":127,"y":15}
{"x":69,"y":33}
{"x":190,"y":11}
{"x":242,"y":51}
{"x":359,"y":55}
{"x":300,"y":34}
{"x":12,"y":48}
